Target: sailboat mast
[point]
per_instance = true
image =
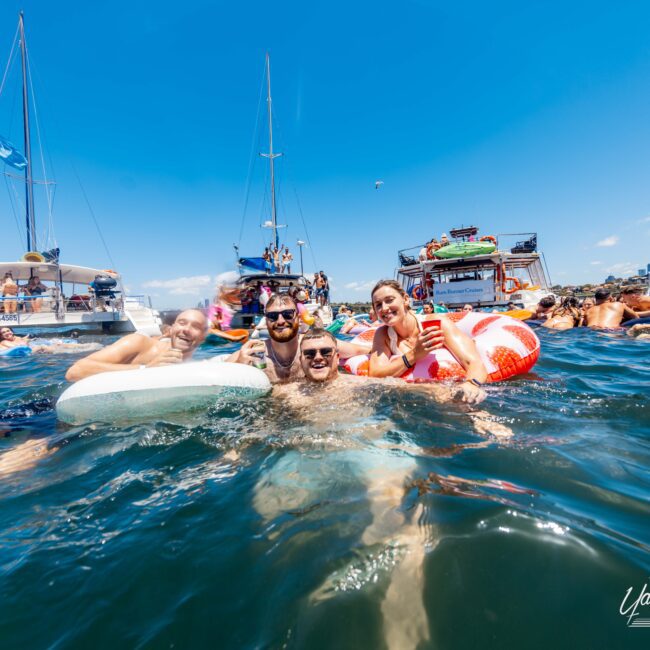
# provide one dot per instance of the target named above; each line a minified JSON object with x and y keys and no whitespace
{"x":29,"y":185}
{"x":271,"y":155}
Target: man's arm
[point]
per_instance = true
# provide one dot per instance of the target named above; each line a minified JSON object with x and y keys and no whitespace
{"x":118,"y":356}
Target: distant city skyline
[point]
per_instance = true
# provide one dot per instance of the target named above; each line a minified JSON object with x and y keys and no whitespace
{"x":422,"y":117}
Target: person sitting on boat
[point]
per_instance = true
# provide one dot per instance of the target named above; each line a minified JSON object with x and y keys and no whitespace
{"x":35,"y":289}
{"x":9,"y":291}
{"x":443,"y":240}
{"x":607,"y":314}
{"x":136,"y":350}
{"x":467,"y":308}
{"x":279,"y":353}
{"x":544,"y":308}
{"x":401,"y":341}
{"x":427,"y":308}
{"x":565,"y":316}
{"x":422,"y":255}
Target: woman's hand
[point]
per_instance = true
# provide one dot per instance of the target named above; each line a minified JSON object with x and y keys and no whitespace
{"x":428,"y":340}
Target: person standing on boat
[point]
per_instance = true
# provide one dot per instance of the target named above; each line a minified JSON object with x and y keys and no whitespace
{"x":266,"y":256}
{"x":275,"y":268}
{"x":287,"y":259}
{"x":402,"y":341}
{"x":137,"y":351}
{"x":9,"y":291}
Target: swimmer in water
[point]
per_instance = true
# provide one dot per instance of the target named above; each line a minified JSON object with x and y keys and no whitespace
{"x":328,"y":399}
{"x":9,"y":340}
{"x":544,"y":308}
{"x":565,"y":316}
{"x":607,"y":314}
{"x":279,"y":354}
{"x":351,"y":323}
{"x":401,"y":342}
{"x":634,"y":298}
{"x":135,"y":351}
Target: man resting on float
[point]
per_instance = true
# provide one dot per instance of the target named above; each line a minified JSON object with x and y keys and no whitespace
{"x":140,"y":351}
{"x":401,"y":342}
{"x":608,"y":314}
{"x":280,"y":352}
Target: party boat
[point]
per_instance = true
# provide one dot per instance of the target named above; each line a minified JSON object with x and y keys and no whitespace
{"x":489,"y":271}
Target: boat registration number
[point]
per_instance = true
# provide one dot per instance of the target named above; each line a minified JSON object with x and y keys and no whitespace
{"x":8,"y":318}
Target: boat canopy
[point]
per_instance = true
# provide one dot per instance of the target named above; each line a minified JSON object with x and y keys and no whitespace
{"x":53,"y":272}
{"x":273,"y":279}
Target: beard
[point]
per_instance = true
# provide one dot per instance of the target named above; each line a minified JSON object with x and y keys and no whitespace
{"x":285,"y":334}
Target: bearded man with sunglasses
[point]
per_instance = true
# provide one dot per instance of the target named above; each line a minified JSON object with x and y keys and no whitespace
{"x":280,"y":354}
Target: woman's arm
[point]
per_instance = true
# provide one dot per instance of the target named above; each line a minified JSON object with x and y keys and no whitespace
{"x":384,"y":364}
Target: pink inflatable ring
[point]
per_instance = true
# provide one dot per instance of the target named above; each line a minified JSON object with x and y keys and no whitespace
{"x":507,"y":346}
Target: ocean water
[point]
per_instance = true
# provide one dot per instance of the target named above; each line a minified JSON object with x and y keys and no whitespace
{"x":374,"y":518}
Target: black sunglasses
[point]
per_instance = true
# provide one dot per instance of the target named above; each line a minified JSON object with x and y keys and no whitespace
{"x":326,"y":353}
{"x":287,"y":314}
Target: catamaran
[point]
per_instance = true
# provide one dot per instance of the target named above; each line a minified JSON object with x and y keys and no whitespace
{"x":78,"y":297}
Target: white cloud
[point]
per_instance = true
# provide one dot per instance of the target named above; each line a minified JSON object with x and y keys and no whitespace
{"x":191,"y":286}
{"x":608,"y":241}
{"x":623,"y":269}
{"x":644,"y":220}
{"x":360,"y":286}
{"x":595,"y":263}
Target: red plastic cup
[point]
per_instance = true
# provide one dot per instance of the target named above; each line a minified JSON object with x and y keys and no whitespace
{"x":432,"y":322}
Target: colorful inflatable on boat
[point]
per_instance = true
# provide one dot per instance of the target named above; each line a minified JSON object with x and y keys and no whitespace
{"x":507,"y":346}
{"x":465,"y":249}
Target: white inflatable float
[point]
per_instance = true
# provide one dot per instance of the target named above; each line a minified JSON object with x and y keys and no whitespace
{"x":154,"y":392}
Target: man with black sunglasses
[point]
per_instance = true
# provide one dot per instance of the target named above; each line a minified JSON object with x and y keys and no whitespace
{"x":319,"y":357}
{"x":279,"y":355}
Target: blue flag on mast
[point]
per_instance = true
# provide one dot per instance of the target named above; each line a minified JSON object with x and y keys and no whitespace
{"x":10,"y":155}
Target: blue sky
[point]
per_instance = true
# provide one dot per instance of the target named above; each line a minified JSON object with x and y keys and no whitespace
{"x":511,"y":116}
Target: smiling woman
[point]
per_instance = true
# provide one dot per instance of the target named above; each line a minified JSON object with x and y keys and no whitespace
{"x":403,"y":341}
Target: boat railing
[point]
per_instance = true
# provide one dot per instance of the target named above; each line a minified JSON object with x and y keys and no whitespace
{"x":18,"y":308}
{"x":141,"y":301}
{"x":518,"y":242}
